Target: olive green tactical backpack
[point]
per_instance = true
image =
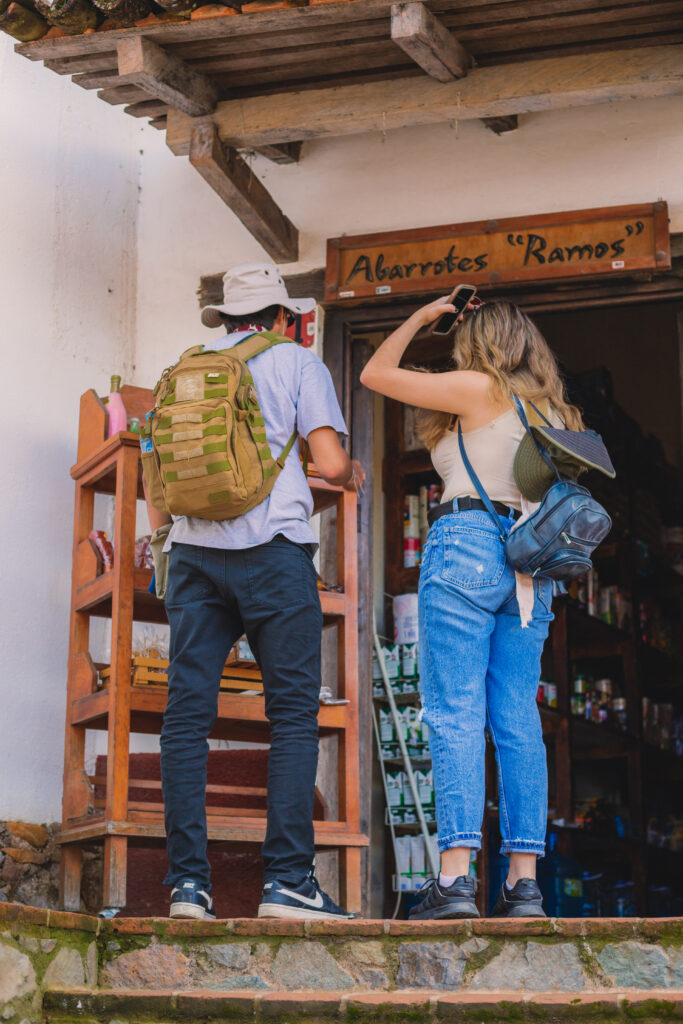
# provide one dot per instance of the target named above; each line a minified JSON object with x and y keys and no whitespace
{"x":204,"y":446}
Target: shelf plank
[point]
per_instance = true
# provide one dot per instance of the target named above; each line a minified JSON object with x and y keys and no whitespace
{"x":237,"y":829}
{"x":235,"y":713}
{"x":95,"y":597}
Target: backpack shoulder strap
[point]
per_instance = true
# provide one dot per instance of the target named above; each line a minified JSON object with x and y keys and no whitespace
{"x":539,"y":447}
{"x":479,"y":486}
{"x":258,"y":343}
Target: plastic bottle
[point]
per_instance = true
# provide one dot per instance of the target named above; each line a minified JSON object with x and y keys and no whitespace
{"x":118,"y":418}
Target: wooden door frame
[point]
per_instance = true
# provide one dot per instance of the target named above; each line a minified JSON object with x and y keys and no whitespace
{"x":343,"y":330}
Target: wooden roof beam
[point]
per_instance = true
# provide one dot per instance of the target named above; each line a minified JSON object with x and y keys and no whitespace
{"x":232,"y":179}
{"x":428,"y":42}
{"x":141,"y":62}
{"x":553,"y":83}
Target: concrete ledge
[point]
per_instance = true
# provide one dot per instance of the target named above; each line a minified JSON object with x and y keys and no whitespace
{"x":622,"y":1005}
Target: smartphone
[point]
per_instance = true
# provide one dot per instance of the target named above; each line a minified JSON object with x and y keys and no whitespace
{"x":459,"y":297}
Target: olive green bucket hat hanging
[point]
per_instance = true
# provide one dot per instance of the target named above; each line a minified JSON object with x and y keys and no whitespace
{"x":570,"y":451}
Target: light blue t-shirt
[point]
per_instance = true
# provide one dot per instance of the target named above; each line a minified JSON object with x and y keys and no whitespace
{"x":295,"y":389}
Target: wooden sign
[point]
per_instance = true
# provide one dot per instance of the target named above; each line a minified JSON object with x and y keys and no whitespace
{"x":578,"y":244}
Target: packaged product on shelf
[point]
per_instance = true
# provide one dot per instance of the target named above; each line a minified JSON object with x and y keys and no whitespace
{"x":619,"y":715}
{"x":403,"y":864}
{"x":387,"y":733}
{"x":389,"y":751}
{"x":405,"y":619}
{"x":424,"y":509}
{"x":411,"y":516}
{"x":592,"y":592}
{"x":425,"y":786}
{"x":143,"y":553}
{"x":409,"y":815}
{"x":244,"y":651}
{"x":551,"y":695}
{"x":376,"y":669}
{"x":395,"y":788}
{"x":408,"y":798}
{"x":104,"y":548}
{"x":411,"y":552}
{"x":624,"y":611}
{"x":607,"y":602}
{"x":392,"y":660}
{"x":409,"y":661}
{"x":578,"y":705}
{"x":378,"y":688}
{"x":411,"y":531}
{"x":418,"y":872}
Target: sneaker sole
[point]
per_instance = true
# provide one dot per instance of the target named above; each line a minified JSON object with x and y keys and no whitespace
{"x":190,"y":911}
{"x":446,"y":913}
{"x":532,"y":910}
{"x":299,"y":914}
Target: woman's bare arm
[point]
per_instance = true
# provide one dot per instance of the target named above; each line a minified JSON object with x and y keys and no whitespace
{"x":455,"y":391}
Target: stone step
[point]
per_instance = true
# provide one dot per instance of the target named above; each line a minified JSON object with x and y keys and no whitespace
{"x":269,"y":963}
{"x":81,"y":1004}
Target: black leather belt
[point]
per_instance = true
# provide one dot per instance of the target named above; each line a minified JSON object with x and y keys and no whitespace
{"x":468,"y":505}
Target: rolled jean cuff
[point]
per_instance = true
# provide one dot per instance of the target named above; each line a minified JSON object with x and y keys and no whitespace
{"x":509,"y":846}
{"x":471,"y":839}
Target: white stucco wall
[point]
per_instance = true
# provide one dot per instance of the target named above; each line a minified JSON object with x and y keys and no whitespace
{"x":604,"y":155}
{"x":102,"y":250}
{"x":69,"y":184}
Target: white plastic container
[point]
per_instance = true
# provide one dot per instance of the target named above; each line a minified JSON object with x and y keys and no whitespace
{"x":405,"y":619}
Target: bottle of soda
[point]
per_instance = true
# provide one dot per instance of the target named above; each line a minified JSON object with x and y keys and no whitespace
{"x":118,"y":418}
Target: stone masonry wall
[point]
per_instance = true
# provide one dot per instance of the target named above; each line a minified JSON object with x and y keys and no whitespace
{"x":29,"y":867}
{"x":44,"y":949}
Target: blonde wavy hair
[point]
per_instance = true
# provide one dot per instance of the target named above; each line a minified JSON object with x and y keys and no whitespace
{"x":501,"y":341}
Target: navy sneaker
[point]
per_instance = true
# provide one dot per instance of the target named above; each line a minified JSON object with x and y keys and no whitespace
{"x":439,"y":902}
{"x":523,"y":900}
{"x":189,"y":900}
{"x":300,"y":902}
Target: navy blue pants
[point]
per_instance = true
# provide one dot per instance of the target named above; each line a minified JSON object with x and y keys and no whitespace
{"x":214,"y":596}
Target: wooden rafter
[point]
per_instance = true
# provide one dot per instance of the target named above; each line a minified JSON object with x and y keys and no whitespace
{"x":426,"y":40}
{"x":232,"y":179}
{"x":501,"y":90}
{"x":142,"y":63}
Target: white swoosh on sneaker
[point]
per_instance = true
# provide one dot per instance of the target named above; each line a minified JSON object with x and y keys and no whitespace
{"x":315,"y":903}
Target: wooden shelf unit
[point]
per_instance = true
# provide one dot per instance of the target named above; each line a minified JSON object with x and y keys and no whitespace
{"x":575,"y":636}
{"x":113,"y":467}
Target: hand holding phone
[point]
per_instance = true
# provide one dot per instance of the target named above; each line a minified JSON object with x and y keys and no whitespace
{"x":459,"y":298}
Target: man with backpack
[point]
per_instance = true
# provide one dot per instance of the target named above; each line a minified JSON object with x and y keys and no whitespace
{"x":242,"y":562}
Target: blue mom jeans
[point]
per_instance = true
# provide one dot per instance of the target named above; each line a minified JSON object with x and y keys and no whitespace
{"x":479,"y":670}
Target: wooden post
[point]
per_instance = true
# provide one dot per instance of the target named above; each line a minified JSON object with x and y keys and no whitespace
{"x":347,"y":686}
{"x":362,"y":448}
{"x":428,"y":42}
{"x":232,"y":179}
{"x":116,"y":809}
{"x":141,"y":62}
{"x":75,"y":797}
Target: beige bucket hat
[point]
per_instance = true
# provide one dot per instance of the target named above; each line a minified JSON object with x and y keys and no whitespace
{"x":251,"y":287}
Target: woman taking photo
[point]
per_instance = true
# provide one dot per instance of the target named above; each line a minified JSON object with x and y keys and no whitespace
{"x":482,"y":627}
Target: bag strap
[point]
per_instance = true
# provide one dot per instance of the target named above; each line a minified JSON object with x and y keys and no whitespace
{"x":539,"y":447}
{"x":258,"y":343}
{"x":478,"y":485}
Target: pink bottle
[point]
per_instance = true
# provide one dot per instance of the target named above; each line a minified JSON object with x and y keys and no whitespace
{"x":118,"y":418}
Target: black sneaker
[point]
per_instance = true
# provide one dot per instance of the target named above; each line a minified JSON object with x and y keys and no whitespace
{"x":189,"y":900}
{"x":300,"y":902}
{"x":523,"y":900}
{"x":439,"y":902}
